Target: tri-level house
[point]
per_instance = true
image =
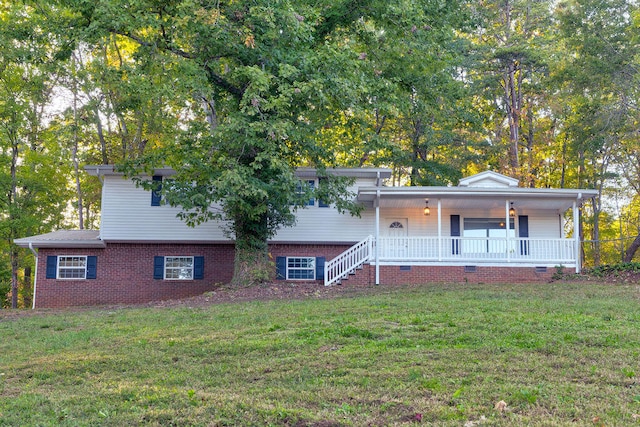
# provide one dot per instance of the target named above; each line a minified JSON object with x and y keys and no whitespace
{"x":485,"y":229}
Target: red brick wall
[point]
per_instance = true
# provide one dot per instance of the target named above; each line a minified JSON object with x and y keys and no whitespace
{"x":456,"y":274}
{"x":125,"y":275}
{"x":393,"y":275}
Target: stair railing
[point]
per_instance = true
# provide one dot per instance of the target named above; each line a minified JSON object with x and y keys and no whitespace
{"x":348,"y":261}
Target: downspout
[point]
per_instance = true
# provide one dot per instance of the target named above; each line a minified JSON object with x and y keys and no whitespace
{"x":35,"y":275}
{"x":576,"y":233}
{"x":101,"y":179}
{"x":377,"y":250}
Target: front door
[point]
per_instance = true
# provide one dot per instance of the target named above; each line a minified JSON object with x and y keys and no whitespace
{"x":396,"y":241}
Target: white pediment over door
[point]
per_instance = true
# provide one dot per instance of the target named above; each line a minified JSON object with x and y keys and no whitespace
{"x":488,"y":179}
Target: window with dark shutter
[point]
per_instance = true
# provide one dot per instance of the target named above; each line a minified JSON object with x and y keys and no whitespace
{"x":158,"y":267}
{"x":320,"y":268}
{"x":281,"y":268}
{"x":523,"y":231}
{"x":92,"y":267}
{"x":52,"y":267}
{"x":322,"y":182}
{"x":156,"y":193}
{"x":198,"y":268}
{"x":455,"y":232}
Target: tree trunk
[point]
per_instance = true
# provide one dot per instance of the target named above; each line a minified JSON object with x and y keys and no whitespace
{"x":14,"y":278}
{"x":595,"y":233}
{"x":103,"y":142}
{"x":76,"y":162}
{"x":13,"y":195}
{"x":631,"y":250}
{"x":27,"y":292}
{"x":252,"y":265}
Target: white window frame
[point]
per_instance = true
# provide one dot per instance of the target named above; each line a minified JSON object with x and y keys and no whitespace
{"x":71,"y":268}
{"x":300,"y":190}
{"x":298,"y":268}
{"x":493,"y":240}
{"x":178,"y":268}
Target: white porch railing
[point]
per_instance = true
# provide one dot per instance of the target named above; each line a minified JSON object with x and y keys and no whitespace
{"x":348,"y":261}
{"x":472,"y":250}
{"x":476,"y":250}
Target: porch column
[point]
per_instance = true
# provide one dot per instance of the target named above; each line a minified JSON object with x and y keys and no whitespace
{"x":439,"y":230}
{"x":377,"y":247}
{"x":576,"y":235}
{"x":507,"y":223}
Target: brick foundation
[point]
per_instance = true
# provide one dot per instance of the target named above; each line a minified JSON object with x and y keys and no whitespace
{"x":397,"y":275}
{"x":394,"y":275}
{"x":125,"y":273}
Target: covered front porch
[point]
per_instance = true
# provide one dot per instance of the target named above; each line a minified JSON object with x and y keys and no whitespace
{"x":487,"y":220}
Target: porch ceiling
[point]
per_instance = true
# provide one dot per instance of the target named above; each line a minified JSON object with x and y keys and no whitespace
{"x":459,"y":198}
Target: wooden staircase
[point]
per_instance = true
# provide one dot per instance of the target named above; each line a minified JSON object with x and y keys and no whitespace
{"x":348,"y":262}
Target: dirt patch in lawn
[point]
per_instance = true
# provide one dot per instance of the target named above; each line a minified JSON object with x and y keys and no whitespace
{"x":226,"y":294}
{"x":265,"y":292}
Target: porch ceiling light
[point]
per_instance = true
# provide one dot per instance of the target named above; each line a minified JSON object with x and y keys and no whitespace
{"x":512,"y":211}
{"x":426,"y":209}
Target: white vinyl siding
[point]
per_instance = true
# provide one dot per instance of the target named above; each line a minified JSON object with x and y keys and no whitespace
{"x":542,"y":224}
{"x":127,"y":215}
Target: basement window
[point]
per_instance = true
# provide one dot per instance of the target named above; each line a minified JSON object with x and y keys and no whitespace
{"x":72,"y":267}
{"x":301,"y":268}
{"x":178,"y":268}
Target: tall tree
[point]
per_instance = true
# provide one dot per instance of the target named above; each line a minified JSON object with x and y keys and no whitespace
{"x":600,"y":63}
{"x":514,"y":41}
{"x":256,"y":67}
{"x":31,"y":194}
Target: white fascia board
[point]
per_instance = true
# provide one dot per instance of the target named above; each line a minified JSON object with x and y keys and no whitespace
{"x":370,"y":173}
{"x":369,"y":193}
{"x":109,"y":170}
{"x":66,"y":244}
{"x":106,"y":170}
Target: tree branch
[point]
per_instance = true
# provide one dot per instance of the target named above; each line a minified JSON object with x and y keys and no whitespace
{"x":213,"y":76}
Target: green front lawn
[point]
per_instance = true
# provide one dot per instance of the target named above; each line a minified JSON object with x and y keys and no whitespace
{"x":556,"y":354}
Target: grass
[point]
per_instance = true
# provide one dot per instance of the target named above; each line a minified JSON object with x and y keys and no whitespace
{"x":556,"y":354}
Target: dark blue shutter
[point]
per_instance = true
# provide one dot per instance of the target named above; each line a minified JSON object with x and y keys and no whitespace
{"x":455,"y":232}
{"x":156,"y":193}
{"x":198,"y":267}
{"x":158,"y":267}
{"x":523,"y":231}
{"x":52,"y":267}
{"x":320,"y":268}
{"x":321,"y":183}
{"x":311,"y":185}
{"x":281,"y":268}
{"x":92,"y":267}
